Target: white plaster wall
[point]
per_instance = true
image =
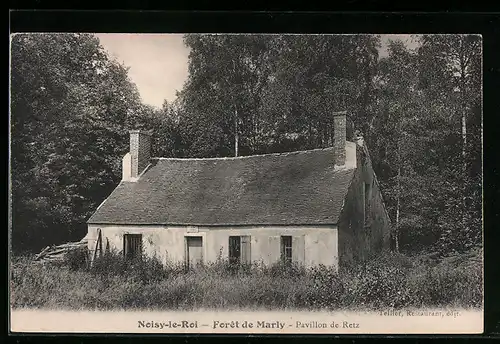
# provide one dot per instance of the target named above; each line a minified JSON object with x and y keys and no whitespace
{"x":321,"y":248}
{"x":126,"y":167}
{"x":168,"y":243}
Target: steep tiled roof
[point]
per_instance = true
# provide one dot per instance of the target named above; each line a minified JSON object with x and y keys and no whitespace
{"x":281,"y":189}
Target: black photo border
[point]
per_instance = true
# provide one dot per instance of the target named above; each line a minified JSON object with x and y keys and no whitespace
{"x":136,"y":21}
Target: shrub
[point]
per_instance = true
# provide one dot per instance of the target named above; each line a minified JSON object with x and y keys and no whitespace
{"x":109,"y":264}
{"x":325,"y":288}
{"x":379,"y":286}
{"x":116,"y":283}
{"x":451,"y":284}
{"x":77,"y":259}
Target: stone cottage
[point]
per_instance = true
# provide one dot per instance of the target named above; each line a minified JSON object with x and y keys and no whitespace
{"x":320,"y":206}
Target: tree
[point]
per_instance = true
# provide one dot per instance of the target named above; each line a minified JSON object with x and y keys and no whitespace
{"x":312,"y":77}
{"x":71,"y":108}
{"x":267,"y":93}
{"x":454,"y":63}
{"x":418,"y":146}
{"x":220,"y":98}
{"x":396,"y":143}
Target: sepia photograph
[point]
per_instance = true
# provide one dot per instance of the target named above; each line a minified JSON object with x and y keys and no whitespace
{"x":246,"y":183}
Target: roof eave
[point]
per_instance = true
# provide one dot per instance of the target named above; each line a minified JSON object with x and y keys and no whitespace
{"x":97,"y":223}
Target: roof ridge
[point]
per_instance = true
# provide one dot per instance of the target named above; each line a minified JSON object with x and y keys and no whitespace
{"x":250,"y":156}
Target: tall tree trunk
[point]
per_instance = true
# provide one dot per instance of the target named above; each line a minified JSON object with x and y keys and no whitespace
{"x":236,"y":129}
{"x":398,"y":187}
{"x":398,"y":193}
{"x":463,"y":110}
{"x":236,"y":135}
{"x":309,"y":134}
{"x":464,"y":168}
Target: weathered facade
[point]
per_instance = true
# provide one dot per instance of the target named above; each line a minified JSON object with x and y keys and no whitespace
{"x":364,"y":226}
{"x":169,"y":243}
{"x":312,"y":207}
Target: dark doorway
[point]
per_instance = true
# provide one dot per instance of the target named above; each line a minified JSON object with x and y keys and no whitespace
{"x":132,"y":246}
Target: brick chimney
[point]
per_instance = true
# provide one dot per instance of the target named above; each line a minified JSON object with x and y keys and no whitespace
{"x":339,"y":137}
{"x":140,"y":151}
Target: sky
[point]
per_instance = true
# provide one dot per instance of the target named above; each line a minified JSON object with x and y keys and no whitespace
{"x":159,"y":62}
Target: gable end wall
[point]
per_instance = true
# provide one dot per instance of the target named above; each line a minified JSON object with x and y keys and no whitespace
{"x":359,"y":239}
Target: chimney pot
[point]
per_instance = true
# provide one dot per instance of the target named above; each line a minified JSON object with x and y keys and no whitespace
{"x":339,"y":139}
{"x":140,"y":151}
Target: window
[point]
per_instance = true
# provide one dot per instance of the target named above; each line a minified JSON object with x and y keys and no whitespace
{"x":234,"y":249}
{"x":286,"y":249}
{"x":239,"y":249}
{"x":132,"y":245}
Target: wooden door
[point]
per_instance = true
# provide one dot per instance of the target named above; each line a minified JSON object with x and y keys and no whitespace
{"x":132,"y":245}
{"x":194,"y":250}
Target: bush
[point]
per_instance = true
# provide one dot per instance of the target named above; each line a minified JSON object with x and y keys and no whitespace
{"x":77,"y":259}
{"x":115,"y":283}
{"x":379,"y":286}
{"x":450,"y":284}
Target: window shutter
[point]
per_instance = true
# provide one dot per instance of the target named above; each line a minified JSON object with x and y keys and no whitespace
{"x":246,"y":254}
{"x":138,"y":250}
{"x":298,"y":249}
{"x":274,"y":249}
{"x":125,"y":245}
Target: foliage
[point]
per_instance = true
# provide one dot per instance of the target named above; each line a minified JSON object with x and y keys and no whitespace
{"x":430,"y":175}
{"x":419,"y":111}
{"x":71,"y":108}
{"x":409,"y":105}
{"x":391,"y":281}
{"x":275,"y":92}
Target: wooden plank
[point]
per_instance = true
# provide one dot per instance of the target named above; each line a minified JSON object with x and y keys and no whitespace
{"x":39,"y":255}
{"x":273,"y":249}
{"x":97,"y":244}
{"x":246,"y":254}
{"x":99,"y":241}
{"x":55,"y":256}
{"x":70,"y":246}
{"x":57,"y":251}
{"x":45,"y":250}
{"x":298,"y":249}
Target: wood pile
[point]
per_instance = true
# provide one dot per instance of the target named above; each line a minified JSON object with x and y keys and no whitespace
{"x":58,"y":253}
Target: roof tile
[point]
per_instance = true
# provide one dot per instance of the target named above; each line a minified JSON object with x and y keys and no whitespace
{"x":273,"y":189}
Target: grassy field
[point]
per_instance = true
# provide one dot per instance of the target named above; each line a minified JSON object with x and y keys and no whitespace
{"x":393,"y":280}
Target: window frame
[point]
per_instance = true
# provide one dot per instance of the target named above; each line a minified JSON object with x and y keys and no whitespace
{"x":234,"y":239}
{"x":286,"y":250}
{"x":187,"y":239}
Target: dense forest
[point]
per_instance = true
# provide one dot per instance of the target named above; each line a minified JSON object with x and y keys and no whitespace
{"x":419,"y":111}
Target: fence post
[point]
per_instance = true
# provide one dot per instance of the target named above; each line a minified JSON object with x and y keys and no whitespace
{"x":97,"y":245}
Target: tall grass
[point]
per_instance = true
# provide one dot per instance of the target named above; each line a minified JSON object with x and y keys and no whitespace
{"x":112,"y":283}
